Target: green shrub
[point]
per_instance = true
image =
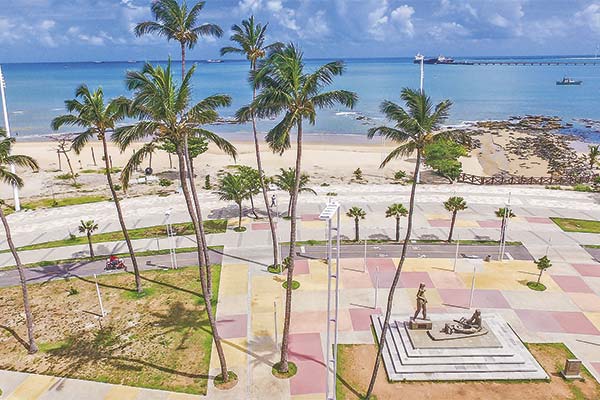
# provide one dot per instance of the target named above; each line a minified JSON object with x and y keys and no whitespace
{"x":73,"y":292}
{"x":207,"y":184}
{"x":332,"y":194}
{"x":118,"y":187}
{"x":399,"y":176}
{"x":582,"y":188}
{"x":358,"y":175}
{"x":164,"y":182}
{"x":65,"y":177}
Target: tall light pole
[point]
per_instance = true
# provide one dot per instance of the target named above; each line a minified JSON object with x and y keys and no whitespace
{"x":503,"y":229}
{"x":421,"y":58}
{"x":171,"y":235}
{"x":7,"y":127}
{"x":331,"y":211}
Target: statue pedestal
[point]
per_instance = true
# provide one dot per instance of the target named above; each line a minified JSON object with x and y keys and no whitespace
{"x":420,"y":324}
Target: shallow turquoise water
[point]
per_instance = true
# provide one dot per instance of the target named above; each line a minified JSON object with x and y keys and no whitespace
{"x":36,"y":91}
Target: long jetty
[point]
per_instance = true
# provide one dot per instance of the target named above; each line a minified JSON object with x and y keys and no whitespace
{"x":532,"y":63}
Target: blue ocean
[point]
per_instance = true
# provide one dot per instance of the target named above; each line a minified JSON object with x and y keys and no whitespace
{"x":36,"y":92}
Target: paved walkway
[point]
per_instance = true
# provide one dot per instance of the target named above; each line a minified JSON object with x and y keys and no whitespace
{"x":569,"y":311}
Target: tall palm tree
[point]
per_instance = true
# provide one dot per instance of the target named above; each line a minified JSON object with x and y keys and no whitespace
{"x":397,"y":211}
{"x":176,"y":22}
{"x":454,"y":204}
{"x":88,"y":227}
{"x":165,"y":112}
{"x":6,"y":176}
{"x":233,"y":188}
{"x":357,"y":213}
{"x":414,"y":128}
{"x":250,"y":38}
{"x":285,"y":88}
{"x":286,"y":180}
{"x":89,"y":111}
{"x":593,"y":155}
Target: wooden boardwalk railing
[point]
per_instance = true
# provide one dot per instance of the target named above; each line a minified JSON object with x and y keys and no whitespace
{"x":524,"y":180}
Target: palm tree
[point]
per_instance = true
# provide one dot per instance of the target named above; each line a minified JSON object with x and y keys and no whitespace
{"x":414,"y":128}
{"x":165,"y":113}
{"x":397,"y":211}
{"x":90,"y":112}
{"x":6,"y":176}
{"x":454,"y":204}
{"x":233,"y":188}
{"x":88,"y":227}
{"x":250,"y":38}
{"x":252,"y":183}
{"x":176,"y":22}
{"x":357,"y":213}
{"x":286,"y":180}
{"x":287,"y":89}
{"x":593,"y":155}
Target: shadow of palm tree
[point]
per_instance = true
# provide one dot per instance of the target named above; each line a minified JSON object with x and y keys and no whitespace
{"x":16,"y":336}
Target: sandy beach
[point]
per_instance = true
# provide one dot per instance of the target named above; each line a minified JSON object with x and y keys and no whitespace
{"x":328,"y":159}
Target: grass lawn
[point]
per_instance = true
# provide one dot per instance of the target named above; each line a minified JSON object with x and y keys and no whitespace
{"x":355,"y":365}
{"x":161,"y":340}
{"x":61,"y":202}
{"x":577,"y":225}
{"x":185,"y":228}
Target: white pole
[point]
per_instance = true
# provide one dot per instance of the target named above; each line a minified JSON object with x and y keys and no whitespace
{"x":99,"y":297}
{"x":7,"y":127}
{"x":422,"y":74}
{"x":275,"y":320}
{"x":456,"y":254}
{"x":338,"y":271}
{"x":472,"y":285}
{"x":548,"y":247}
{"x":376,"y":286}
{"x":365,"y":258}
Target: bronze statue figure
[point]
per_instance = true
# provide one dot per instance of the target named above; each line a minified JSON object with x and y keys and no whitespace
{"x":421,"y":302}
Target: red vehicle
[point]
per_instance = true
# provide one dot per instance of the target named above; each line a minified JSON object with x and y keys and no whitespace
{"x":114,"y":263}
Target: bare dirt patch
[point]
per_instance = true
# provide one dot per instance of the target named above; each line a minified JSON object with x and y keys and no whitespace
{"x":158,"y":340}
{"x":355,"y":365}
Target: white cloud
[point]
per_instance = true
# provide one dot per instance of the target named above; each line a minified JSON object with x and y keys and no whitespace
{"x":402,"y":16}
{"x":590,"y":16}
{"x":385,"y":21}
{"x":246,"y":6}
{"x":316,"y":26}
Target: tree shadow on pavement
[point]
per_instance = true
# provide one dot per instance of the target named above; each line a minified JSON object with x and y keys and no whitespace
{"x":16,"y":336}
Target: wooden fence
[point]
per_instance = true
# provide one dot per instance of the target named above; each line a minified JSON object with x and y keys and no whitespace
{"x":524,"y":180}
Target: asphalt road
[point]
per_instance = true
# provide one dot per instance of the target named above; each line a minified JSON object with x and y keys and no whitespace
{"x":89,"y":268}
{"x":419,"y":251}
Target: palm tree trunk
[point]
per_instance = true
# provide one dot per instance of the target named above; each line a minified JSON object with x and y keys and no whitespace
{"x":283,"y":364}
{"x":202,"y":265}
{"x":190,"y":167}
{"x":89,"y":237}
{"x":397,"y":229}
{"x":28,"y":316}
{"x":239,"y":216}
{"x":136,"y":271}
{"x":263,"y":185}
{"x":452,"y":226}
{"x":356,"y":233}
{"x":390,"y":301}
{"x":252,"y":206}
{"x":150,"y":161}
{"x":182,"y":61}
{"x":70,"y":168}
{"x":540,"y":276}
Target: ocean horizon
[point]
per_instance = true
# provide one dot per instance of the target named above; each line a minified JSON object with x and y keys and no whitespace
{"x":36,"y":91}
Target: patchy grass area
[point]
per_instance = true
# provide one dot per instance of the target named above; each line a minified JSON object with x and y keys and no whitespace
{"x":186,"y":228}
{"x":355,"y":363}
{"x":62,"y":202}
{"x":577,"y":225}
{"x":161,"y":340}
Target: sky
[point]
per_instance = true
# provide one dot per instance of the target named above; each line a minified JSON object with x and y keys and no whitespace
{"x":92,"y":30}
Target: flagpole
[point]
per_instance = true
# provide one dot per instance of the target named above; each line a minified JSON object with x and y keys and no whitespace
{"x":7,"y":128}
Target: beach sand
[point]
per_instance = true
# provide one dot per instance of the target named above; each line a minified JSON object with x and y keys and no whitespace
{"x":326,"y":158}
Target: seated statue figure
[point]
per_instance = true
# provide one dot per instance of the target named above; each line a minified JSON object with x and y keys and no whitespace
{"x":464,"y":325}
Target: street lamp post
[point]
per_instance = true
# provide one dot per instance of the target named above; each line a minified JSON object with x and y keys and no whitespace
{"x":171,"y":235}
{"x":7,"y":127}
{"x":331,"y":211}
{"x":503,"y":229}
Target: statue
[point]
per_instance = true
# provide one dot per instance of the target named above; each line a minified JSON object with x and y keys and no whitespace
{"x":421,"y":302}
{"x":466,"y":326}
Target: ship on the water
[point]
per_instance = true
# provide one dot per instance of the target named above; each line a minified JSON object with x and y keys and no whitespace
{"x":568,"y":82}
{"x":439,"y":60}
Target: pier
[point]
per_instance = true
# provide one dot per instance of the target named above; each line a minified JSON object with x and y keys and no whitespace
{"x":533,"y":63}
